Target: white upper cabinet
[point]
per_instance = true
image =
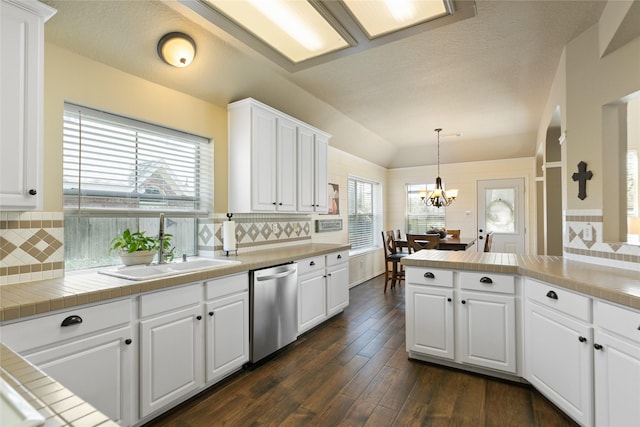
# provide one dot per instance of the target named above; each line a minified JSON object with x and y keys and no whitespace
{"x":21,"y":95}
{"x":276,"y":163}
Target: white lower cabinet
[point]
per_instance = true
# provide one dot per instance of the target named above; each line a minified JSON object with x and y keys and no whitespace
{"x":617,"y":365}
{"x":171,"y":346}
{"x":558,"y":348}
{"x":227,"y":331}
{"x":469,"y":318}
{"x":88,"y":350}
{"x":323,"y":288}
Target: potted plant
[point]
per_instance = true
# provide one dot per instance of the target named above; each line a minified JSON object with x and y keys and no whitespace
{"x":138,"y":248}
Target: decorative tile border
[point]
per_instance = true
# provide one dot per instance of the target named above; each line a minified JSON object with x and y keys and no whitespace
{"x":31,"y":246}
{"x":577,"y":247}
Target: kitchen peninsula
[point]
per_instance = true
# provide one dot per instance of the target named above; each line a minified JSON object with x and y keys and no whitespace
{"x":569,"y":328}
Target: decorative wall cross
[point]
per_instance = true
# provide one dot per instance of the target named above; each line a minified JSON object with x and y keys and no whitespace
{"x":582,"y":176}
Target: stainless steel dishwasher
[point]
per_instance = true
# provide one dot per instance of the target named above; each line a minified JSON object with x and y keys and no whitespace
{"x":273,"y":297}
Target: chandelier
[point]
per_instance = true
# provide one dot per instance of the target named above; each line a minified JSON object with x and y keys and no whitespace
{"x":438,"y":197}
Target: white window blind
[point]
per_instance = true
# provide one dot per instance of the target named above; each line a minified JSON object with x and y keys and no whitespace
{"x":115,"y":165}
{"x":420,"y":216}
{"x":365,"y":213}
{"x":632,"y":183}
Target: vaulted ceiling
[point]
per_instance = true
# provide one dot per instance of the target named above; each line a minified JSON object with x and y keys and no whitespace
{"x":484,"y":80}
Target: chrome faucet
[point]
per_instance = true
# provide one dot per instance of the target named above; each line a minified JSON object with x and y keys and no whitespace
{"x":161,"y":259}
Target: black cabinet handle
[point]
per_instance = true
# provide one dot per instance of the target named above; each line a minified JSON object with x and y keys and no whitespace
{"x":552,"y":295}
{"x":199,"y":317}
{"x":312,"y":263}
{"x":339,"y":256}
{"x":463,"y":301}
{"x":128,"y":341}
{"x":486,"y":279}
{"x":582,"y":339}
{"x":33,"y":192}
{"x":211,"y":313}
{"x":71,"y":320}
{"x":597,"y":346}
{"x":429,"y":275}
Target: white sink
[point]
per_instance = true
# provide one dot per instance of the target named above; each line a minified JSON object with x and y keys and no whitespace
{"x":15,"y":411}
{"x":155,"y":271}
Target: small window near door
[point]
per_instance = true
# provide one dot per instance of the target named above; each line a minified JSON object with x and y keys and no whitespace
{"x":421,"y":217}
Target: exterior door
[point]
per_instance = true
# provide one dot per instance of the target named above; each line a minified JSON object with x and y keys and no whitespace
{"x":501,"y":209}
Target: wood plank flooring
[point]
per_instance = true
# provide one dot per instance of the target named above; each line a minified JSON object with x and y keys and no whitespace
{"x":354,"y":371}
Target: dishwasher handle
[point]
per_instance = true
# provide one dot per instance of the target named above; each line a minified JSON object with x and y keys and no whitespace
{"x":276,"y":276}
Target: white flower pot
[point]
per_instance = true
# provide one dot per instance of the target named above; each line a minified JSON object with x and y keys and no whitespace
{"x":138,"y":257}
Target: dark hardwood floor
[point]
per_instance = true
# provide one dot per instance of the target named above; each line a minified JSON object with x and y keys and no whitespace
{"x":353,"y":370}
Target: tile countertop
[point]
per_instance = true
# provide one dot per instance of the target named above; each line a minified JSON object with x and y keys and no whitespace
{"x":29,"y":299}
{"x":607,"y":283}
{"x":59,"y":406}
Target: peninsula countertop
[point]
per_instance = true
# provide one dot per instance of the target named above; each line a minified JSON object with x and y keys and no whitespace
{"x":78,"y":288}
{"x":616,"y":285}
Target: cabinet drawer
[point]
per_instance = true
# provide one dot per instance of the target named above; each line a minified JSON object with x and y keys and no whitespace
{"x":169,"y":300}
{"x":567,"y":302}
{"x":621,"y":321}
{"x":47,"y":330}
{"x":337,"y":258}
{"x":226,"y":285}
{"x":310,"y":264}
{"x":429,"y":276}
{"x":489,"y":282}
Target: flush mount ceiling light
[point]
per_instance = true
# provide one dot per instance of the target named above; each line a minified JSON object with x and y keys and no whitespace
{"x":299,"y":34}
{"x":177,"y":49}
{"x":439,"y":197}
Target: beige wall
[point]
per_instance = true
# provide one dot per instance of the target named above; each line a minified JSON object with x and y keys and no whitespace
{"x":70,"y":77}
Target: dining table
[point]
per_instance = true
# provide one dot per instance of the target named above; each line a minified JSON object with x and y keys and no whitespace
{"x":449,"y":243}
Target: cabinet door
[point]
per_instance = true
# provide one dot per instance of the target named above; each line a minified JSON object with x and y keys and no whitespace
{"x":286,"y":166}
{"x":227,"y":341}
{"x":487,"y":328}
{"x":617,"y":381}
{"x":22,"y":47}
{"x":559,"y":360}
{"x":97,"y":368}
{"x":312,"y":300}
{"x":429,"y":314}
{"x":321,"y":180}
{"x":337,"y":288}
{"x":306,"y":173}
{"x":263,"y":160}
{"x":170,"y":357}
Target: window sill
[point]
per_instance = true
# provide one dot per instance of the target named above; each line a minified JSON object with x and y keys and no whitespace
{"x":362,"y":251}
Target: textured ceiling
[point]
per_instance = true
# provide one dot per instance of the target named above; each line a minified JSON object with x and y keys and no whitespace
{"x":486,"y":77}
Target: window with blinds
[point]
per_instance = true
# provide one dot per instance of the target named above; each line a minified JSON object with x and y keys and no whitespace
{"x":365,"y":213}
{"x":421,"y":217}
{"x":122,"y":173}
{"x":632,"y":183}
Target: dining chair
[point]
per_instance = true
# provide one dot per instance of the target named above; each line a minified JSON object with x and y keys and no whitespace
{"x":398,"y":249}
{"x":398,"y":234}
{"x":393,"y":270}
{"x":488,"y":240}
{"x":454,"y":233}
{"x":417,"y":242}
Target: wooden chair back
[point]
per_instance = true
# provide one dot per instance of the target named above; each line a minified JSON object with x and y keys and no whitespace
{"x":488,"y":240}
{"x":417,"y":242}
{"x":387,"y":244}
{"x":398,"y":234}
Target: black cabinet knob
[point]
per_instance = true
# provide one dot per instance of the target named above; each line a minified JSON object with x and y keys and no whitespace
{"x":199,"y":317}
{"x":128,"y":341}
{"x":339,"y":256}
{"x":429,"y":275}
{"x":449,"y":299}
{"x":552,"y":295}
{"x":582,"y":339}
{"x":280,"y":203}
{"x":463,"y":301}
{"x":486,"y":279}
{"x":274,"y":203}
{"x":597,"y":346}
{"x":71,"y":320}
{"x":33,"y":192}
{"x":211,"y":313}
